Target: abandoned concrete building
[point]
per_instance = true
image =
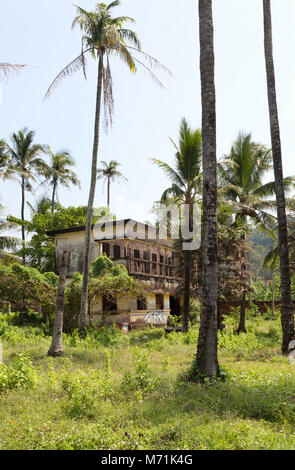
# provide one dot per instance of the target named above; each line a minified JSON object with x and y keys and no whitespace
{"x":147,"y":257}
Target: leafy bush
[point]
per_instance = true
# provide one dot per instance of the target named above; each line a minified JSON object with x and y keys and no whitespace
{"x":85,"y":390}
{"x":243,"y":343}
{"x":20,"y":374}
{"x":26,"y":286}
{"x":142,"y":380}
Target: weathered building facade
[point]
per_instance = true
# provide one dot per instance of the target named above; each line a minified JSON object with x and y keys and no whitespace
{"x":147,"y":258}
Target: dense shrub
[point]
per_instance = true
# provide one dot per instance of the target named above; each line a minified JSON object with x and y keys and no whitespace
{"x":20,"y":374}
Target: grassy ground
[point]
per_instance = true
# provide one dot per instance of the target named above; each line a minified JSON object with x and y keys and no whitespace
{"x":115,"y":391}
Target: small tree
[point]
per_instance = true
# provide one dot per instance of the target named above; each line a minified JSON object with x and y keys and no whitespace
{"x":25,"y":288}
{"x":112,"y":282}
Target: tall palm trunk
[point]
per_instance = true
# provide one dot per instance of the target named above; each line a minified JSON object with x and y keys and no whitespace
{"x":53,"y":197}
{"x":287,"y":318}
{"x":242,"y":323}
{"x":109,"y":193}
{"x":84,"y":301}
{"x":187,"y":285}
{"x":206,"y":358}
{"x":187,"y":256}
{"x":56,"y":348}
{"x":23,"y":215}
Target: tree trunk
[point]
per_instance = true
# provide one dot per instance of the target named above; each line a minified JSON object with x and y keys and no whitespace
{"x":287,"y":318}
{"x":109,"y":193}
{"x":206,"y":358}
{"x":8,"y":308}
{"x":23,"y":216}
{"x":53,"y":197}
{"x":84,"y":300}
{"x":187,"y":288}
{"x":250,"y":292}
{"x":273,"y":297}
{"x":242,"y":324}
{"x":56,"y":348}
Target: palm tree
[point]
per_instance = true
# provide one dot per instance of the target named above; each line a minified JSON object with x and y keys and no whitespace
{"x":110,"y":173}
{"x":6,"y":169}
{"x":241,"y":178}
{"x":103,"y":36}
{"x":186,"y":189}
{"x":287,"y":317}
{"x":7,"y":242}
{"x":206,"y":358}
{"x":42,"y":205}
{"x":58,"y":172}
{"x":25,"y":163}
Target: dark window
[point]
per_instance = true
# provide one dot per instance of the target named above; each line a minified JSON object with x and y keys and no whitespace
{"x":146,"y":256}
{"x":109,"y":305}
{"x":106,"y":249}
{"x":154,"y":258}
{"x":159,"y":302}
{"x":162,"y":259}
{"x":147,"y":268}
{"x":169,"y":260}
{"x":141,"y":304}
{"x":137,"y":254}
{"x":117,"y":251}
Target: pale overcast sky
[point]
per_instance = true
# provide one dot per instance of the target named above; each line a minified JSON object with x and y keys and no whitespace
{"x":39,"y":33}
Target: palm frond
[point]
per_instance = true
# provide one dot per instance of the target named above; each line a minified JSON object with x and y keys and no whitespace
{"x":7,"y":69}
{"x":76,"y":64}
{"x":171,"y":173}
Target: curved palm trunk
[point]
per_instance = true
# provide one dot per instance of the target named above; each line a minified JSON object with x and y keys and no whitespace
{"x":84,"y":301}
{"x":109,"y":193}
{"x":56,"y":348}
{"x":53,"y":197}
{"x":206,"y":358}
{"x":287,"y":318}
{"x":23,"y":215}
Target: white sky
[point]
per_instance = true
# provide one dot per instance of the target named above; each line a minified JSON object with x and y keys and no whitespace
{"x":39,"y":33}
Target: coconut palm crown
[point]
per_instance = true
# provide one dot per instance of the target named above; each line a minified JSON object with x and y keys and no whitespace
{"x":58,"y":173}
{"x":110,"y":173}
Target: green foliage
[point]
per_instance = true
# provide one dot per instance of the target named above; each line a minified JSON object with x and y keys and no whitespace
{"x":142,"y":380}
{"x":20,"y":374}
{"x":84,"y":391}
{"x":243,"y":343}
{"x":26,"y":286}
{"x":87,"y":408}
{"x":101,"y":266}
{"x":112,"y":281}
{"x":263,"y":291}
{"x":39,"y":250}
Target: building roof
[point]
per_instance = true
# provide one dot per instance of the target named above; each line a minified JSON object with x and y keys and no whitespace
{"x":82,"y":228}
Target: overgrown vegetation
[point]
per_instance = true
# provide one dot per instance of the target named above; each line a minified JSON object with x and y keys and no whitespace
{"x":126,"y":391}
